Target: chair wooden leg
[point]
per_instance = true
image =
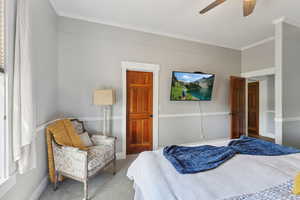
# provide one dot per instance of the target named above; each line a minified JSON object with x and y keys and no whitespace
{"x":55,"y":184}
{"x":114,"y":167}
{"x":85,"y":190}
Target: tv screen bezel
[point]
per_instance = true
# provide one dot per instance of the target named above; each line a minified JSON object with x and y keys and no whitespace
{"x":173,"y":72}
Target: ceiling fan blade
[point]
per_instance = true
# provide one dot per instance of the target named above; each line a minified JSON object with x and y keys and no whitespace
{"x":249,"y":6}
{"x":211,"y":6}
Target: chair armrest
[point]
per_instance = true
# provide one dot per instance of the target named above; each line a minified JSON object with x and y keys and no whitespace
{"x":70,"y":161}
{"x":103,"y":140}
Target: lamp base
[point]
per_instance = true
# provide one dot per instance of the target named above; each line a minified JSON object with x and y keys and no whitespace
{"x":106,"y":120}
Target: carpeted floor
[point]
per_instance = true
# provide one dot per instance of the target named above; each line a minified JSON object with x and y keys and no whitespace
{"x":104,"y":186}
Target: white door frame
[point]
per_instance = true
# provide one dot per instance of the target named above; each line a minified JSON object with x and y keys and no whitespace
{"x":144,"y":67}
{"x":253,"y":74}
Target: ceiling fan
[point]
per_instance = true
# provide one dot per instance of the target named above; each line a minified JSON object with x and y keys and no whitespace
{"x":249,"y":6}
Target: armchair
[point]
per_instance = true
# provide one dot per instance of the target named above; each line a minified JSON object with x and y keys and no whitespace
{"x":80,"y":165}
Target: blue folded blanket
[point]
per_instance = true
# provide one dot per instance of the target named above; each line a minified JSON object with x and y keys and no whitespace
{"x":187,"y":160}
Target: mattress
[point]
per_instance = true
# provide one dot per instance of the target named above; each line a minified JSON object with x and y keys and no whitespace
{"x":156,"y":179}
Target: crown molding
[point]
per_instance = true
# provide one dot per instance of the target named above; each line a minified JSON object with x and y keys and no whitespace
{"x":279,"y":20}
{"x":135,"y":65}
{"x":286,"y":20}
{"x":276,"y":21}
{"x":258,"y":43}
{"x":144,"y":30}
{"x":262,"y":72}
{"x":54,"y":6}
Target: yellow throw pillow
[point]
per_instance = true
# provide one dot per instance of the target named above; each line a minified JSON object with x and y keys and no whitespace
{"x":296,"y":188}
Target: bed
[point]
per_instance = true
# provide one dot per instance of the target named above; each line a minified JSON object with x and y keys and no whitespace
{"x":156,"y":179}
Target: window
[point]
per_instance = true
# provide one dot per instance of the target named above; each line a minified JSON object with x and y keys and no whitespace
{"x":3,"y":134}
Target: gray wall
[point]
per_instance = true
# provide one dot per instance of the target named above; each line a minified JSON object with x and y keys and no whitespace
{"x":90,"y":57}
{"x":44,"y":51}
{"x":290,"y":82}
{"x":259,"y":57}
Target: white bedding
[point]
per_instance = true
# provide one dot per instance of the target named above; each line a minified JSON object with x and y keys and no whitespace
{"x":157,"y":179}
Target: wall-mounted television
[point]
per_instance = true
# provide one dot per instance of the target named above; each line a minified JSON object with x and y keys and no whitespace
{"x":192,"y":86}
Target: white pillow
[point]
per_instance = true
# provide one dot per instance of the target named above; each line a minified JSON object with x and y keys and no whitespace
{"x":85,"y":138}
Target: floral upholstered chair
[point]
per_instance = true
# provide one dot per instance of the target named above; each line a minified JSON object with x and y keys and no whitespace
{"x":79,"y":163}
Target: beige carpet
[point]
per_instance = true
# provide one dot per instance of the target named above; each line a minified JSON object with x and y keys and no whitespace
{"x":104,"y":186}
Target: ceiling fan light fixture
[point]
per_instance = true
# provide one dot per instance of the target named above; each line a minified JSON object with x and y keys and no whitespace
{"x":248,"y":6}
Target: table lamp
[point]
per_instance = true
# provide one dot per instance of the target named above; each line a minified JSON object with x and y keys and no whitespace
{"x":105,"y":98}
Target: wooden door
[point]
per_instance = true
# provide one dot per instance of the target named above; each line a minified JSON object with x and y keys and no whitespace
{"x":253,"y":108}
{"x":139,"y":111}
{"x":237,"y":106}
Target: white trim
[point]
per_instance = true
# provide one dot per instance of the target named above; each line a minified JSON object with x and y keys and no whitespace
{"x":287,"y":119}
{"x":262,"y":102}
{"x":148,"y":68}
{"x":291,"y":119}
{"x":93,"y":119}
{"x":279,"y":20}
{"x":246,"y":104}
{"x":278,"y":119}
{"x":90,"y":119}
{"x":4,"y":135}
{"x":144,"y":30}
{"x":54,"y":6}
{"x":278,"y":79}
{"x":258,"y":43}
{"x":121,"y":155}
{"x":194,"y":114}
{"x":40,"y":189}
{"x":44,"y":125}
{"x":270,"y":111}
{"x":7,"y":185}
{"x":8,"y":41}
{"x":286,"y":20}
{"x":262,"y":72}
{"x":270,"y":135}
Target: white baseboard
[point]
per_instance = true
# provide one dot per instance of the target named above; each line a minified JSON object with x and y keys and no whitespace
{"x":269,"y":135}
{"x":40,"y":189}
{"x":7,"y":185}
{"x":120,"y":155}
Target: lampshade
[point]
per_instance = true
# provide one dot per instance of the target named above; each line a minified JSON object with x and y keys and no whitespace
{"x":104,"y":97}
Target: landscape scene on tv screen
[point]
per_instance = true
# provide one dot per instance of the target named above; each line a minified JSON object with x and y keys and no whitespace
{"x":191,"y":86}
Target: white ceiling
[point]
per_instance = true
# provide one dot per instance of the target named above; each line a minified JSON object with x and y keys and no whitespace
{"x":223,"y":26}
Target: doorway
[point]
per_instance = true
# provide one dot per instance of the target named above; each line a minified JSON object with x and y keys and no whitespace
{"x":237,"y":106}
{"x":252,"y":106}
{"x":261,"y":107}
{"x":253,"y":109}
{"x":140,"y":67}
{"x":139,"y":111}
